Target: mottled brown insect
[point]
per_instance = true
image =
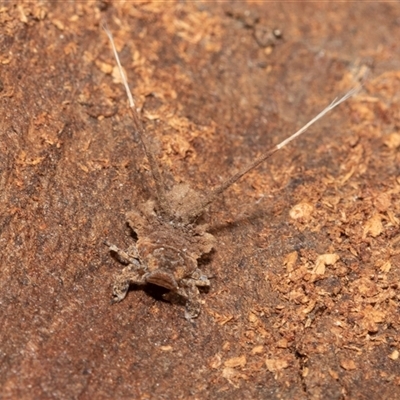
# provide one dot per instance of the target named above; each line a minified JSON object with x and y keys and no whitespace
{"x":170,"y":242}
{"x":165,"y":253}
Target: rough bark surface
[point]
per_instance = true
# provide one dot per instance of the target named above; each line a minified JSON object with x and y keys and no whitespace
{"x":304,"y":299}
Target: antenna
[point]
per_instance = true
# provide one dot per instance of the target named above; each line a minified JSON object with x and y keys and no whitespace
{"x":198,"y":205}
{"x":154,"y":168}
{"x":214,"y":193}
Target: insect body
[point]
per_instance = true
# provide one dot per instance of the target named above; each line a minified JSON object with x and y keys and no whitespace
{"x":169,"y":240}
{"x":166,"y":255}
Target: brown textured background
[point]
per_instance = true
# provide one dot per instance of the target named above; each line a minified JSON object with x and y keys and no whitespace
{"x":304,"y":302}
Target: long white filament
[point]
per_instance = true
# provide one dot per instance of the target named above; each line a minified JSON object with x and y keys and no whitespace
{"x":316,"y":118}
{"x":214,"y":193}
{"x":121,"y":71}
